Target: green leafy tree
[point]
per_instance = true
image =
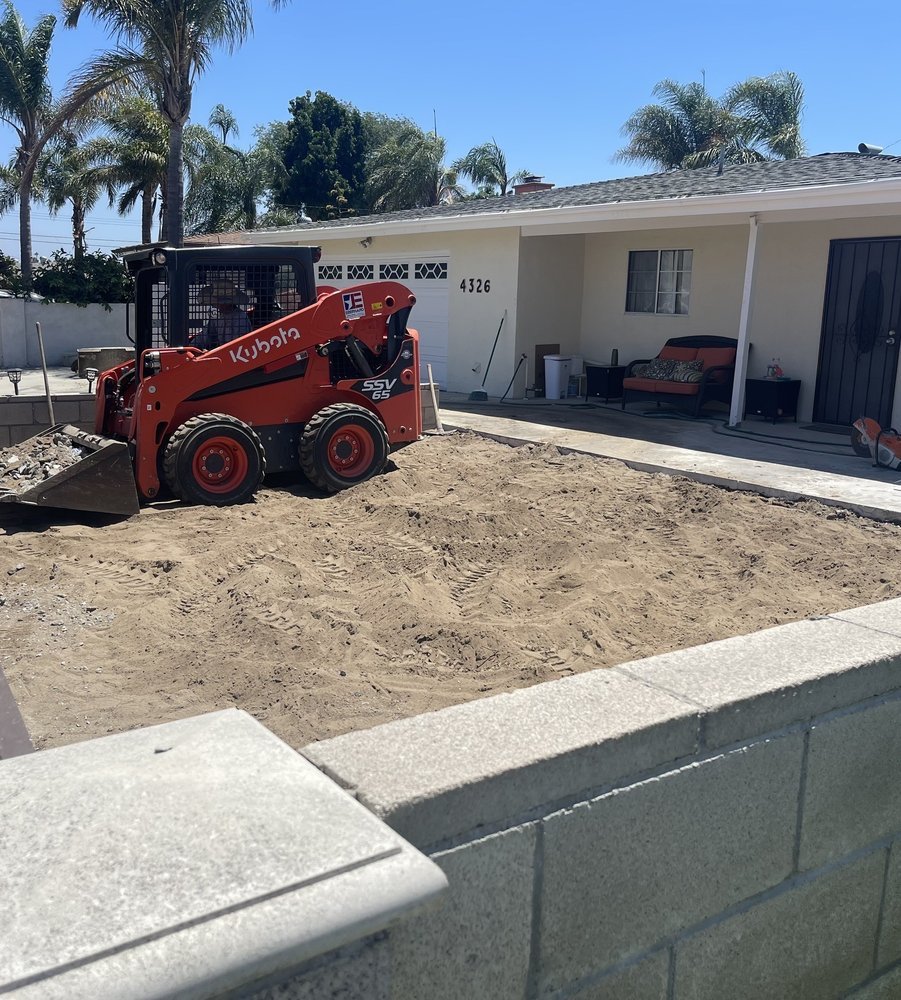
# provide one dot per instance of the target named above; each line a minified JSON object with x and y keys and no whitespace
{"x":759,"y":119}
{"x":68,"y":179}
{"x":10,"y":274}
{"x":26,"y":105}
{"x":97,"y":277}
{"x":406,"y":169}
{"x":228,"y":185}
{"x":162,"y":48}
{"x":770,"y":109}
{"x":323,"y":149}
{"x":486,"y":167}
{"x":223,"y":119}
{"x":132,"y":159}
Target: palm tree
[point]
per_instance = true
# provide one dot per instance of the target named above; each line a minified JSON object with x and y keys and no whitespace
{"x":163,"y":47}
{"x":486,"y":167}
{"x":407,"y":170}
{"x":685,"y":122}
{"x":132,"y":159}
{"x":26,"y":105}
{"x":67,"y":176}
{"x":756,"y":120}
{"x":228,"y":184}
{"x":771,"y":108}
{"x":223,"y":119}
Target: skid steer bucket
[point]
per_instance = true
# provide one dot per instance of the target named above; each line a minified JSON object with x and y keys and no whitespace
{"x":68,"y":468}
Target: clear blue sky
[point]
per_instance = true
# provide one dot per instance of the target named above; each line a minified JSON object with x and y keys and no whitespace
{"x":551,"y":82}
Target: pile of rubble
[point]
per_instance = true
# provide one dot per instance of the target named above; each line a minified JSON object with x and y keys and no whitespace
{"x":36,"y":460}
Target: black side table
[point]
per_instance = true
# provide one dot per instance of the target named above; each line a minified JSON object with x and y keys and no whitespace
{"x":604,"y":380}
{"x":772,"y":397}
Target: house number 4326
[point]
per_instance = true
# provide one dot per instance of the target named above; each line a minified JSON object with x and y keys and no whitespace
{"x":475,"y":285}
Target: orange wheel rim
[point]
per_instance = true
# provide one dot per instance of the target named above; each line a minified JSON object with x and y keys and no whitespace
{"x":350,"y":451}
{"x":220,"y":464}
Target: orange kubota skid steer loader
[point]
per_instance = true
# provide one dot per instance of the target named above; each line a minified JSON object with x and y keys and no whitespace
{"x":325,"y":383}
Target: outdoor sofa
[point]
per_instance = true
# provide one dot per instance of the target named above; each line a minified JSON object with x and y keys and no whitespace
{"x":688,"y":372}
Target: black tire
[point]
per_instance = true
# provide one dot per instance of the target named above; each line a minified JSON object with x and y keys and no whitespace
{"x":343,"y":444}
{"x":857,"y":443}
{"x":214,"y":459}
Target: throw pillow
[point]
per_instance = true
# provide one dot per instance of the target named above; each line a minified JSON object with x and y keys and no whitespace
{"x":661,"y":368}
{"x":639,"y":370}
{"x":688,"y":371}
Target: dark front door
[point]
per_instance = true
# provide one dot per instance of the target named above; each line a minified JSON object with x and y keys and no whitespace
{"x":859,"y":342}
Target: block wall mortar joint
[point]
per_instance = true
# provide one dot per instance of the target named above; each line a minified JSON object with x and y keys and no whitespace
{"x":795,"y":881}
{"x":574,"y":989}
{"x":542,"y":811}
{"x":865,"y":628}
{"x":879,"y":919}
{"x":533,"y":974}
{"x":802,"y":791}
{"x":871,"y":980}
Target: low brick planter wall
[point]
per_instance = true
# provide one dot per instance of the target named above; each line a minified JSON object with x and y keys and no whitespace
{"x":23,"y":416}
{"x":723,"y":821}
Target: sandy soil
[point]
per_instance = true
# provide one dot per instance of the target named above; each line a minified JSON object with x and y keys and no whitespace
{"x":469,"y":569}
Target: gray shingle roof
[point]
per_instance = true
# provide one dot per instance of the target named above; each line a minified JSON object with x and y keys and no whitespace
{"x":810,"y":171}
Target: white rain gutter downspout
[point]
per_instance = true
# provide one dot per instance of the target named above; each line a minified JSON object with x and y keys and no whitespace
{"x":741,"y":354}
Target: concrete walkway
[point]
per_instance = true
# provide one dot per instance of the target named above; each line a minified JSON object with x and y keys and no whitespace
{"x":782,"y":461}
{"x":63,"y":382}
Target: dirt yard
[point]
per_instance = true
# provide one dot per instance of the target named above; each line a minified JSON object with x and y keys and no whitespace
{"x":469,"y":569}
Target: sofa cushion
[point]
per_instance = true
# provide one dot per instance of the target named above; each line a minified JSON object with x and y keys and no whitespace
{"x":651,"y":385}
{"x":712,"y":356}
{"x":673,"y":353}
{"x":679,"y":388}
{"x":688,"y":371}
{"x":660,"y":368}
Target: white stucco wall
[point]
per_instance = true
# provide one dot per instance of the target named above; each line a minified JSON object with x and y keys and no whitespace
{"x":571,"y":289}
{"x":718,"y":265}
{"x":473,"y":317}
{"x":551,"y":273}
{"x":789,"y":292}
{"x":64,"y":327}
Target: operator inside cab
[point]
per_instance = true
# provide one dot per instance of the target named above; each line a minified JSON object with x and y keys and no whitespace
{"x":289,"y":301}
{"x":230,"y":319}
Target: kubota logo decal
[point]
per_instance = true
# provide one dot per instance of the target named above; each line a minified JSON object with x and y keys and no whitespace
{"x":259,"y":347}
{"x":379,"y":388}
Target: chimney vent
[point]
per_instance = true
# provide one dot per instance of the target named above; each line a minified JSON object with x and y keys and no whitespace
{"x":530,"y":183}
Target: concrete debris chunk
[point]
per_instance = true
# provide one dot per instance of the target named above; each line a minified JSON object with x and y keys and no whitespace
{"x":36,"y":460}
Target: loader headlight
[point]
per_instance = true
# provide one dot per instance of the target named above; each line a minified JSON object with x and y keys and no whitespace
{"x":159,"y":257}
{"x":406,"y":354}
{"x":152,"y":364}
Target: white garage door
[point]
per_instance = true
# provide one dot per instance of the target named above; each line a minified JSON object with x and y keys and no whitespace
{"x":426,"y":277}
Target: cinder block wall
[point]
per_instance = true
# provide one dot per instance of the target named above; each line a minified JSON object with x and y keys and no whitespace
{"x":23,"y":416}
{"x":723,"y":821}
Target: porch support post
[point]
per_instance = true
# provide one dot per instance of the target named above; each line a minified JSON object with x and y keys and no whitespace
{"x":741,"y":354}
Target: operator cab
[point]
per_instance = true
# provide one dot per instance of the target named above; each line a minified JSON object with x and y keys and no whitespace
{"x":177,"y":291}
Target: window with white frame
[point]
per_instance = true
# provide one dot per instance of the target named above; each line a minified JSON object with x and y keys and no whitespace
{"x":659,"y":281}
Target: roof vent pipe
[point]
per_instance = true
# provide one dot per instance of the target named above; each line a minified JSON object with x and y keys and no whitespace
{"x":868,"y":149}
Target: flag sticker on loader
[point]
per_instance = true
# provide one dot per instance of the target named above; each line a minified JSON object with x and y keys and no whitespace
{"x":354,"y":308}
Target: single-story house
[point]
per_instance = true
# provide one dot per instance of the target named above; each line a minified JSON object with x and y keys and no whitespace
{"x":800,"y":259}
